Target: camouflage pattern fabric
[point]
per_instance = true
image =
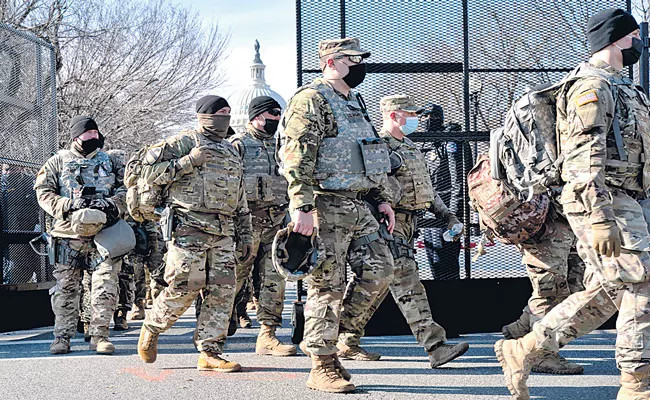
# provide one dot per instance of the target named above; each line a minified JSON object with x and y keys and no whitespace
{"x":596,"y":191}
{"x":197,"y":262}
{"x":272,"y":286}
{"x":407,"y":290}
{"x":126,"y":287}
{"x":306,"y":124}
{"x":553,"y":271}
{"x":66,"y":293}
{"x":151,"y":262}
{"x":86,"y":287}
{"x":349,"y":46}
{"x":342,"y":220}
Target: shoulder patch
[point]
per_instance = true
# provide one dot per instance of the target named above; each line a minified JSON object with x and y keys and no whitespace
{"x":587,"y":97}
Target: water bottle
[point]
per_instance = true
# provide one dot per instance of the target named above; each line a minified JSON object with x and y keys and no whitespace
{"x":452,"y":233}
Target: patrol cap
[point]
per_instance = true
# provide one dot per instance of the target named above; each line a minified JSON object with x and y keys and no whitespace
{"x":399,"y":102}
{"x":347,"y":46}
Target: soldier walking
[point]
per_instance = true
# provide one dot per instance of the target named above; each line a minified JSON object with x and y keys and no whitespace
{"x":206,"y":205}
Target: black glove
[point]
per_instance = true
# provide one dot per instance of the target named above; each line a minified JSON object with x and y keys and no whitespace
{"x":77,"y":204}
{"x":107,"y":206}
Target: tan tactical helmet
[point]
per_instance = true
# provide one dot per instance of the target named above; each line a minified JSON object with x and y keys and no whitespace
{"x":87,"y":221}
{"x":296,"y":256}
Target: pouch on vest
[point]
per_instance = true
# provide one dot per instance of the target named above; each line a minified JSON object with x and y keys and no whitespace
{"x":116,"y":240}
{"x":376,"y":159}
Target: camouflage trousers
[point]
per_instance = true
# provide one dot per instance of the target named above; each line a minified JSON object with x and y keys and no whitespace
{"x":342,"y":220}
{"x":197,"y":263}
{"x":66,"y":293}
{"x":272,"y":285}
{"x":613,"y":283}
{"x":125,"y":292}
{"x":407,"y":290}
{"x":152,"y":262}
{"x":554,"y":269}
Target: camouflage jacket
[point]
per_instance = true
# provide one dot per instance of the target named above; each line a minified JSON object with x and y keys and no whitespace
{"x":170,"y":164}
{"x":413,"y":180}
{"x":48,"y":187}
{"x":307,"y":120}
{"x":592,"y":165}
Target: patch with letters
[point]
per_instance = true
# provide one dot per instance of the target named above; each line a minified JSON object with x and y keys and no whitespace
{"x":587,"y":97}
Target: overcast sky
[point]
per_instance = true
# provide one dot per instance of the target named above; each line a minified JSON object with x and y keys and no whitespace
{"x":273,"y":23}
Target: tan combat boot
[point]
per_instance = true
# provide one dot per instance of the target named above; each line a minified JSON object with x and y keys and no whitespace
{"x":213,"y":362}
{"x":515,"y":359}
{"x":119,"y":318}
{"x":269,"y":344}
{"x":517,"y":329}
{"x":355,"y":352}
{"x":548,"y":362}
{"x":138,"y":311}
{"x":324,"y":376}
{"x":147,"y":345}
{"x":634,"y":386}
{"x":337,"y":363}
{"x":61,"y":345}
{"x":442,"y":353}
{"x":101,"y":345}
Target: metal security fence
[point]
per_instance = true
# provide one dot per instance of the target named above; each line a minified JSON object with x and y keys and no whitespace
{"x":28,"y":137}
{"x":465,"y":61}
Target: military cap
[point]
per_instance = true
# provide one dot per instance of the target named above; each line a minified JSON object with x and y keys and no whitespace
{"x":399,"y":102}
{"x":348,"y":46}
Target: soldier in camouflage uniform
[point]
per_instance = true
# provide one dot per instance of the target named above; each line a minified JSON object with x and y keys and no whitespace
{"x":555,"y":271}
{"x":208,"y":202}
{"x":82,"y":188}
{"x":412,"y":192}
{"x":266,"y":192}
{"x":333,"y":162}
{"x":604,"y":127}
{"x":147,"y":255}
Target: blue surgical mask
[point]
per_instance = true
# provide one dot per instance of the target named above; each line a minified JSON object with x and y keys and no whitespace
{"x":410,"y":126}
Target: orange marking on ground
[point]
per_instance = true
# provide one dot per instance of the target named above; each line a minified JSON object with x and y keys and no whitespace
{"x":144,"y":375}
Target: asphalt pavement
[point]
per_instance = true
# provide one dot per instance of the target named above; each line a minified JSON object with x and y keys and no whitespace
{"x":28,"y":371}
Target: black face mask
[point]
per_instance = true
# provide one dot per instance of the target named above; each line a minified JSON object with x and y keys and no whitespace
{"x":631,"y":56}
{"x":356,"y":75}
{"x":271,"y":126}
{"x":88,"y":146}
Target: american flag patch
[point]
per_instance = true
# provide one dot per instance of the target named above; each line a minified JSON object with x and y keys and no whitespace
{"x":586,"y":98}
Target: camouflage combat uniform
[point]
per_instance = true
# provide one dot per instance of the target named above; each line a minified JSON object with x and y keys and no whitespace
{"x":152,"y":260}
{"x":209,"y":204}
{"x":57,"y":183}
{"x":321,"y":160}
{"x":599,"y":188}
{"x":415,"y":193}
{"x":266,"y":193}
{"x":555,"y":271}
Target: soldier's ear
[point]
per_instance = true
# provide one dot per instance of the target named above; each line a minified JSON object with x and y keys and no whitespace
{"x":393,"y":115}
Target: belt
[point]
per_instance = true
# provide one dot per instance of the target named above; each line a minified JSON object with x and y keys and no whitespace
{"x":350,"y":194}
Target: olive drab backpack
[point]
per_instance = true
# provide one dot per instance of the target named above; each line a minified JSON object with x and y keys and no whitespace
{"x":141,"y":197}
{"x":524,"y":162}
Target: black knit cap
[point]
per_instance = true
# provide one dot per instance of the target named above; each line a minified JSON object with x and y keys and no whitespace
{"x":607,"y":26}
{"x":210,"y":104}
{"x":81,"y":124}
{"x":261,"y":104}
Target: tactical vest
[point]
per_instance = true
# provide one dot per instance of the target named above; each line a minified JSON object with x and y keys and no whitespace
{"x":214,"y":186}
{"x":78,"y":172}
{"x":265,"y":187}
{"x":633,"y":120}
{"x":354,"y":159}
{"x":413,"y":177}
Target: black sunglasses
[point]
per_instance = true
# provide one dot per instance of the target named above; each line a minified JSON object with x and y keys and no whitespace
{"x":275,"y":113}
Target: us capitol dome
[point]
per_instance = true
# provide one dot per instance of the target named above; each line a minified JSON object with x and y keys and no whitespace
{"x":240,"y":100}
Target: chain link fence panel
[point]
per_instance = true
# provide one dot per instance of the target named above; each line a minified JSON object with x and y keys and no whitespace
{"x":28,"y":137}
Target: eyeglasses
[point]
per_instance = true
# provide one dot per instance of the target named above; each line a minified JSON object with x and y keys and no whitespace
{"x":354,"y":59}
{"x":275,"y":113}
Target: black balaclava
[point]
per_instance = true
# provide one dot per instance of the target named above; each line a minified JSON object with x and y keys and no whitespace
{"x":79,"y":125}
{"x":259,"y":105}
{"x":607,"y":26}
{"x":215,"y":126}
